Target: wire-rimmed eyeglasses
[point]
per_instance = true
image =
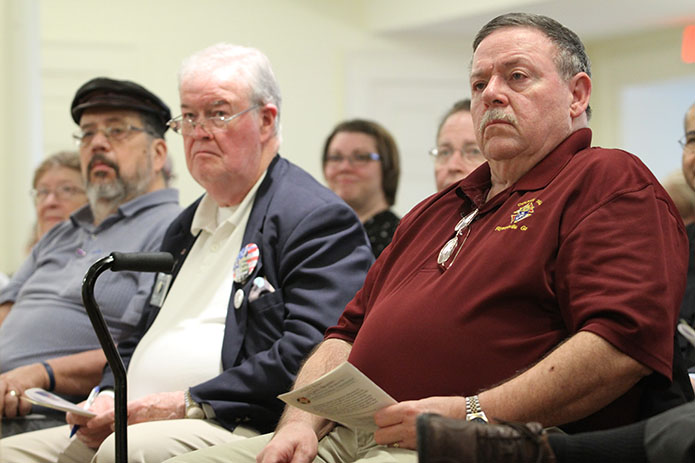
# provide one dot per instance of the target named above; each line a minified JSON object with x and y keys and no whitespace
{"x":687,"y":141}
{"x":470,"y":151}
{"x":452,"y":247}
{"x":61,"y":192}
{"x":186,"y":125}
{"x":112,"y":132}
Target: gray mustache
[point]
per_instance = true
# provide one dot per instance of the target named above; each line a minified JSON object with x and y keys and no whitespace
{"x":495,"y":114}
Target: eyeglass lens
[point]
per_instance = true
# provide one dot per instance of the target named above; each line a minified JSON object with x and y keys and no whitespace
{"x":352,"y":159}
{"x":468,"y":151}
{"x":186,"y":125}
{"x":62,"y":192}
{"x":687,"y":141}
{"x":112,"y":133}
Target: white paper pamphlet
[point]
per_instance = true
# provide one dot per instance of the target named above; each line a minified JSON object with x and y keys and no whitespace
{"x":344,"y":395}
{"x":38,"y":396}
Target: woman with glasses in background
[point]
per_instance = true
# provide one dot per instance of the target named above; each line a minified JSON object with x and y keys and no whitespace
{"x":361,"y":165}
{"x":57,"y":191}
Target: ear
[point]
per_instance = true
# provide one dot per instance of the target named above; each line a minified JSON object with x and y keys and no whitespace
{"x":159,"y":154}
{"x":580,"y":88}
{"x":268,"y":120}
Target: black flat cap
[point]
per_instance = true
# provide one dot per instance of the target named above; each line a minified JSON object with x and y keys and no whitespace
{"x":103,"y":92}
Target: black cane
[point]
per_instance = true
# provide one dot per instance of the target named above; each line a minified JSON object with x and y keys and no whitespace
{"x":117,"y":261}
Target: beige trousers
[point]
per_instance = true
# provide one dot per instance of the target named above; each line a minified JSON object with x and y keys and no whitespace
{"x":341,"y":445}
{"x":150,"y":442}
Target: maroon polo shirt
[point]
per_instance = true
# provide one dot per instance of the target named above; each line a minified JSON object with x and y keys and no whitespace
{"x":587,"y":240}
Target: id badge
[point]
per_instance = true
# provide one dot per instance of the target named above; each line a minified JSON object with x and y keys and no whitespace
{"x":161,"y":287}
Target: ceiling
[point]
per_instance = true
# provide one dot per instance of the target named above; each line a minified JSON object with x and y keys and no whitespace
{"x":590,"y":19}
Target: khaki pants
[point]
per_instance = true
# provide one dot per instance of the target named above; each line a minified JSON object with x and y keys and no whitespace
{"x":341,"y":445}
{"x":150,"y":442}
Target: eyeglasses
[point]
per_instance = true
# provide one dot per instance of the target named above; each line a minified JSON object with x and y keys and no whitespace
{"x":471,"y":152}
{"x":113,"y":133}
{"x":186,"y":125}
{"x":62,"y":192}
{"x":453,"y":244}
{"x":355,"y":159}
{"x":687,"y":141}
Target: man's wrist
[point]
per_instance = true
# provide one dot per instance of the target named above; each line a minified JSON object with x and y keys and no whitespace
{"x":295,"y":417}
{"x":51,"y":376}
{"x":192,"y":409}
{"x":474,"y":411}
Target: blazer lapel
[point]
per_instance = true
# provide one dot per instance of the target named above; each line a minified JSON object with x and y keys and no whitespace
{"x":236,"y":316}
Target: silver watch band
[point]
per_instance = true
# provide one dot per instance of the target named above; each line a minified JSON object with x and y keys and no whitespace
{"x":192,"y":410}
{"x":473,"y":410}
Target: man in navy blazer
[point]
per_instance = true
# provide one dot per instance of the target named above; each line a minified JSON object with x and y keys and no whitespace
{"x":265,"y":261}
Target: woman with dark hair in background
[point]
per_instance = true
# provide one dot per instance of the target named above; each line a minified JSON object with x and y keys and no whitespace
{"x":361,"y":165}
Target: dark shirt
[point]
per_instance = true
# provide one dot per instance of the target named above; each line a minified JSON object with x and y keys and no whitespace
{"x":380,"y":230}
{"x":688,"y":305}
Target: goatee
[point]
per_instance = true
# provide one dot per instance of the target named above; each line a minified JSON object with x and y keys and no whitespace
{"x":105,"y":197}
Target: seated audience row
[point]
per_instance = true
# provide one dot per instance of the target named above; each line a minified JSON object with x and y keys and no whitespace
{"x":58,"y":192}
{"x":490,"y":304}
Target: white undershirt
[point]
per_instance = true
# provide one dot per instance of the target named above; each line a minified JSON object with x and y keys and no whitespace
{"x":183,"y":347}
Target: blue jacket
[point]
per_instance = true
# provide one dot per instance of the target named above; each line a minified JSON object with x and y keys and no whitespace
{"x":314,"y":252}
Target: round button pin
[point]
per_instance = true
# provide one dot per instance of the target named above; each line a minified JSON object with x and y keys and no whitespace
{"x":245,"y":263}
{"x":238,"y":298}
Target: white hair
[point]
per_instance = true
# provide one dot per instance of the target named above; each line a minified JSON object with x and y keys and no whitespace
{"x":250,"y":63}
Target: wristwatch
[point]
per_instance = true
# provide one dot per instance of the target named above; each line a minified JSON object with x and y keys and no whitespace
{"x":193,"y":409}
{"x":473,"y":410}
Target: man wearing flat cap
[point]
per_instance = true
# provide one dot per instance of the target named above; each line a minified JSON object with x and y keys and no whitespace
{"x":46,"y":339}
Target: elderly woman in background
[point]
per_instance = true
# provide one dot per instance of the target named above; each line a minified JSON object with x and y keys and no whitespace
{"x":361,"y":165}
{"x":57,"y":190}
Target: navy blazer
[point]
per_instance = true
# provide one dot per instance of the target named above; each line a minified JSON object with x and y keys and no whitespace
{"x":314,"y":252}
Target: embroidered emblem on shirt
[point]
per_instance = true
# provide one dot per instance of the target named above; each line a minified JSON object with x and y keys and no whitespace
{"x":524,"y":211}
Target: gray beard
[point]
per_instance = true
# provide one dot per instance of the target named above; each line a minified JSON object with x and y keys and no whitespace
{"x":105,"y":198}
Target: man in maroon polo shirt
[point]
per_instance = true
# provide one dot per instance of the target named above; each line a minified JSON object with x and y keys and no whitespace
{"x":543,"y":287}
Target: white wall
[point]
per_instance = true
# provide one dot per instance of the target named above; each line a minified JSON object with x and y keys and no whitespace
{"x":655,"y":138}
{"x":20,"y":122}
{"x":622,"y":69}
